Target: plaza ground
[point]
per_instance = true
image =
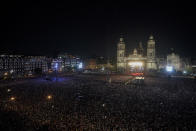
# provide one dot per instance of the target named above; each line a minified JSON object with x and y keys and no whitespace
{"x":90,"y":102}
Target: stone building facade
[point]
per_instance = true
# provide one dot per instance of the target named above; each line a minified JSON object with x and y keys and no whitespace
{"x":149,"y":61}
{"x":174,"y":61}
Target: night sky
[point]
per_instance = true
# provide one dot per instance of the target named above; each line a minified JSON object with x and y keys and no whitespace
{"x":87,"y":29}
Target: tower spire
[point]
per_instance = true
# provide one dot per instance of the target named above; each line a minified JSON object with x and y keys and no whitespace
{"x":140,"y":45}
{"x":121,"y":37}
{"x":151,"y":37}
{"x":151,"y":57}
{"x":121,"y":55}
{"x":140,"y":49}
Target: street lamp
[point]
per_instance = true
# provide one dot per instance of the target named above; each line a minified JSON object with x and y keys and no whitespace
{"x":49,"y":97}
{"x":12,"y":98}
{"x":8,"y":90}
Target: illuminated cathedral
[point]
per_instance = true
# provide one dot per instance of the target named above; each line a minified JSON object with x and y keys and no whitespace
{"x":147,"y":62}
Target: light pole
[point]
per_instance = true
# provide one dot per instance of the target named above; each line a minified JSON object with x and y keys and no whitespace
{"x":56,"y":67}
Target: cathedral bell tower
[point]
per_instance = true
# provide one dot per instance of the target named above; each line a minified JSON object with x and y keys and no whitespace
{"x":140,"y":49}
{"x":151,"y":58}
{"x":121,"y":55}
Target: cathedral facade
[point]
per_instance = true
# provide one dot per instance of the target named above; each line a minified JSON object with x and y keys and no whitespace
{"x":148,"y":61}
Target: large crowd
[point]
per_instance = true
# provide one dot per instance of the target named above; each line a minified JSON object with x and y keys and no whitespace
{"x":85,"y":103}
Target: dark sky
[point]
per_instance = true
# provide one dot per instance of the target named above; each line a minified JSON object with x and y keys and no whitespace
{"x":46,"y":28}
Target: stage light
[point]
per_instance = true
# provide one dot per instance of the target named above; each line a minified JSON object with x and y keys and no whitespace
{"x":136,"y":64}
{"x":56,"y":65}
{"x":11,"y":71}
{"x":139,"y":78}
{"x":80,"y":66}
{"x":184,"y":72}
{"x":169,"y":68}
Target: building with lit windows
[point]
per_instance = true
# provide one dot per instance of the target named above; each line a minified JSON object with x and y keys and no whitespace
{"x":149,"y":62}
{"x":69,"y":60}
{"x":174,"y":61}
{"x":19,"y":65}
{"x":57,"y":65}
{"x":36,"y":62}
{"x":178,"y":63}
{"x":11,"y":65}
{"x":66,"y":62}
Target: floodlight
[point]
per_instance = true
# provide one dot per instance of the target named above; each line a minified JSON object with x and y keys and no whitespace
{"x":136,"y":64}
{"x":169,"y":68}
{"x":80,"y":66}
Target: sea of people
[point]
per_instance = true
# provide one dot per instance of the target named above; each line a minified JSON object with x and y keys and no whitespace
{"x":83,"y":103}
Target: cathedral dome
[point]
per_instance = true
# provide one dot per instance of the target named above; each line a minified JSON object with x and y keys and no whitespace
{"x":121,"y":39}
{"x":135,"y":51}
